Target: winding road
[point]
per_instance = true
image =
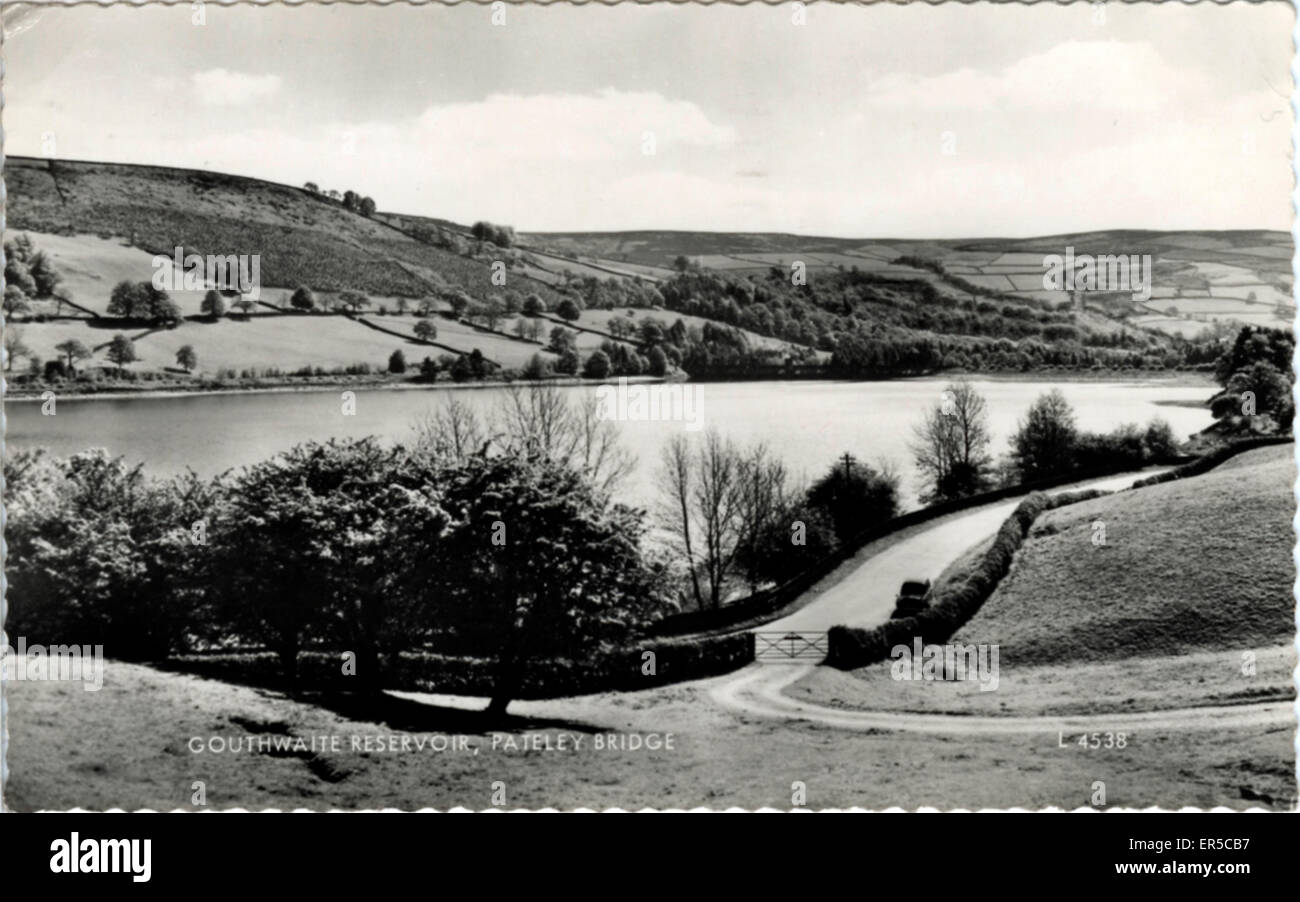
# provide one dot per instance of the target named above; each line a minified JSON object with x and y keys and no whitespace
{"x":865,"y":598}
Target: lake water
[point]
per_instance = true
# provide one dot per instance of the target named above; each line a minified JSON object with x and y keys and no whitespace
{"x":808,"y":424}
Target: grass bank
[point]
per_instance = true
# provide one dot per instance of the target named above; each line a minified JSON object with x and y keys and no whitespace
{"x":1188,"y":602}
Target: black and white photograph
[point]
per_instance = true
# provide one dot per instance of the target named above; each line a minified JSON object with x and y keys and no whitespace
{"x":667,"y":406}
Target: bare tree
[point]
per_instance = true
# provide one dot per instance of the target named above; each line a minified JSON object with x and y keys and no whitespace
{"x":704,"y":510}
{"x":540,"y":419}
{"x":951,"y":443}
{"x":454,"y":430}
{"x":677,"y":486}
{"x":599,"y":452}
{"x":717,"y":500}
{"x":762,"y":496}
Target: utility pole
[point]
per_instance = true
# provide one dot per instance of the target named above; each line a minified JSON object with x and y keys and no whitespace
{"x":848,"y":463}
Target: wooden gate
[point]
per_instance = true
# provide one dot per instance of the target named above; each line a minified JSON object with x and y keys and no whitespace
{"x":782,"y":648}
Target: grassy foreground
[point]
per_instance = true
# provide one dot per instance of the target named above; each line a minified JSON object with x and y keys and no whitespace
{"x":128,"y":746}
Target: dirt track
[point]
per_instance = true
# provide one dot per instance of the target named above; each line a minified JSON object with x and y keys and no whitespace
{"x":866,"y":596}
{"x":758,"y":689}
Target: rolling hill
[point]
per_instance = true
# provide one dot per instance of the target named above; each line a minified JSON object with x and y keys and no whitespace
{"x":1200,"y":277}
{"x":304,"y":238}
{"x":869,"y":307}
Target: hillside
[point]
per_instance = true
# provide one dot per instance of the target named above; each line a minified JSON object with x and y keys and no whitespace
{"x":1194,"y":574}
{"x":1199,"y":276}
{"x":303,"y":238}
{"x":866,"y":309}
{"x":1193,"y":565}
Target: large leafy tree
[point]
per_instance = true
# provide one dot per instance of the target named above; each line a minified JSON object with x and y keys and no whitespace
{"x":141,"y":300}
{"x":318,"y":544}
{"x":121,"y":350}
{"x":568,"y":309}
{"x":18,"y":258}
{"x":99,"y":554}
{"x":128,"y":299}
{"x":1259,"y":387}
{"x":72,"y":351}
{"x":1256,"y":376}
{"x":545,"y":567}
{"x":15,"y":301}
{"x":1044,"y":443}
{"x":43,"y":274}
{"x":213,"y":304}
{"x":854,"y":496}
{"x":1254,"y":344}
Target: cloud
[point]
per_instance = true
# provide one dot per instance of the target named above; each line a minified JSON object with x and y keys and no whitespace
{"x":607,"y":125}
{"x":221,"y":87}
{"x":576,"y":161}
{"x":1112,"y":75}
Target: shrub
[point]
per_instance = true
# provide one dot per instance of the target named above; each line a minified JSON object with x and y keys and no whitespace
{"x":536,"y":368}
{"x":855,"y":497}
{"x":568,"y":309}
{"x":658,"y":361}
{"x":568,"y":363}
{"x":303,"y":298}
{"x":597,"y":366}
{"x":1159,"y":441}
{"x":397,"y":362}
{"x":460,"y":370}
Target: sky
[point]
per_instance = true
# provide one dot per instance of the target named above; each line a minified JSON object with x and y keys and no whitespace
{"x":883,"y":121}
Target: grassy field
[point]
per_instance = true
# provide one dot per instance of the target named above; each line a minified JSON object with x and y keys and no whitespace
{"x":508,"y":352}
{"x":91,"y":266}
{"x":129,"y":746}
{"x":286,"y":342}
{"x":41,"y":338}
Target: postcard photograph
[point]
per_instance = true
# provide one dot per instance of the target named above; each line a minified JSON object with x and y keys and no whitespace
{"x":649,"y":406}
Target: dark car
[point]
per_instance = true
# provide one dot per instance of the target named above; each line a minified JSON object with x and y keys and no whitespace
{"x":912,"y":597}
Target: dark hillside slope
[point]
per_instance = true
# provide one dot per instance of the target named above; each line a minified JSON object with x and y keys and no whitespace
{"x":303,"y":238}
